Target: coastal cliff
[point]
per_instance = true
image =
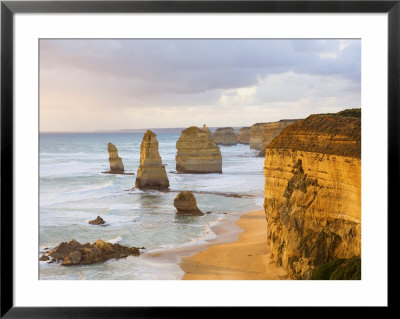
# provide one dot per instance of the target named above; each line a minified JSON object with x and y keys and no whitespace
{"x":272,"y":130}
{"x":313,"y":192}
{"x":225,"y":136}
{"x":197,"y":153}
{"x":256,"y":133}
{"x":151,"y":173}
{"x":244,"y":135}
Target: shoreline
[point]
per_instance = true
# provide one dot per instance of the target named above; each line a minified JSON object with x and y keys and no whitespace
{"x":243,"y":255}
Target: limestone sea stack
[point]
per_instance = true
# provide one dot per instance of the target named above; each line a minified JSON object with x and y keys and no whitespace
{"x":244,"y":135}
{"x":116,"y":165}
{"x":185,"y":204}
{"x":313,"y":192}
{"x":272,"y":130}
{"x":151,"y":173}
{"x":256,"y":132}
{"x":197,"y":153}
{"x":225,"y":136}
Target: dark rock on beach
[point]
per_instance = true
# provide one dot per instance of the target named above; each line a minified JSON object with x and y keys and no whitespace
{"x":97,"y":221}
{"x":44,"y":258}
{"x":74,"y":253}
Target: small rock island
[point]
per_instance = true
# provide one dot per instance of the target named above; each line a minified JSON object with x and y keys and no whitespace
{"x":74,"y":253}
{"x":185,"y":204}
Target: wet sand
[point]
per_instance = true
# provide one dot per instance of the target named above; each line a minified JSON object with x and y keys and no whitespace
{"x":248,"y":258}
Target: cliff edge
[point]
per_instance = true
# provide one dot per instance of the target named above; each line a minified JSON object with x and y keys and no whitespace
{"x":313,"y":192}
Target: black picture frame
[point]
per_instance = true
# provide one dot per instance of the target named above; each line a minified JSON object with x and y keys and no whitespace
{"x":9,"y":8}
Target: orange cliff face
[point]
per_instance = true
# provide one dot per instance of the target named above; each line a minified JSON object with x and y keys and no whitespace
{"x":313,"y":191}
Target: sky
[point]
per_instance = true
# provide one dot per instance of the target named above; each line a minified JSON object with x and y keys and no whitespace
{"x":115,"y":84}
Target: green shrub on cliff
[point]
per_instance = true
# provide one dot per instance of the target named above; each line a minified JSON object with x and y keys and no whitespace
{"x":339,"y":269}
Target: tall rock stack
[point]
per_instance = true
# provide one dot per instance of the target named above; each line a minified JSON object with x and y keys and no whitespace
{"x":313,"y":192}
{"x":151,"y":173}
{"x":272,"y":130}
{"x":116,"y":165}
{"x":197,"y":153}
{"x":256,"y":132}
{"x":244,"y":135}
{"x":225,"y":136}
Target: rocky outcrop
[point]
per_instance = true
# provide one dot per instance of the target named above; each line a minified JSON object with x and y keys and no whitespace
{"x":225,"y":136}
{"x":97,"y":221}
{"x":73,"y":253}
{"x":197,"y":153}
{"x":185,"y":204}
{"x":313,"y":192}
{"x":256,"y":132}
{"x":272,"y":130}
{"x":151,"y":173}
{"x":244,"y":135}
{"x":205,"y":129}
{"x":116,"y":165}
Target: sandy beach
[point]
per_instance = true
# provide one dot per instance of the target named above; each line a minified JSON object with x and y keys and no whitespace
{"x":248,"y":258}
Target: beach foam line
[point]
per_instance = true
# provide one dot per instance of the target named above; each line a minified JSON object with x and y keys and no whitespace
{"x":206,"y":235}
{"x":115,"y":240}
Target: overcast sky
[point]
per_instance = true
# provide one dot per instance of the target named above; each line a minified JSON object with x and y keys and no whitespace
{"x":88,"y":85}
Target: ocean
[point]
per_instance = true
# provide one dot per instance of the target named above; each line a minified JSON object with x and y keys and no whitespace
{"x":73,"y":190}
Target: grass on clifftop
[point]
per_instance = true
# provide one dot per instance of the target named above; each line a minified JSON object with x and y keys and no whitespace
{"x":339,"y":269}
{"x":354,"y":113}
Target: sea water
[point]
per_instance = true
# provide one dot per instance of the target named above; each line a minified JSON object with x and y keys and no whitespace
{"x":73,"y":190}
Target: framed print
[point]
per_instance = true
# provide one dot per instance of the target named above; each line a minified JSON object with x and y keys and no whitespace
{"x":164,"y":155}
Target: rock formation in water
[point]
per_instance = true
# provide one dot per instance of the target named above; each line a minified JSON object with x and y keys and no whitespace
{"x":151,"y":173}
{"x":197,"y":153}
{"x":116,"y":165}
{"x":244,"y":135}
{"x":225,"y":136}
{"x":205,"y":129}
{"x":272,"y":130}
{"x":185,"y":204}
{"x":313,"y":192}
{"x":256,"y":132}
{"x":74,"y":253}
{"x":97,"y":221}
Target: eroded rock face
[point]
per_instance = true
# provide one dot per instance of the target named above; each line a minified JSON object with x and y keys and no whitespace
{"x":197,"y":153}
{"x":151,"y":173}
{"x":244,"y":135}
{"x":256,"y":132}
{"x":225,"y":136}
{"x":185,"y":204}
{"x":272,"y":130}
{"x":116,"y":165}
{"x":205,"y":129}
{"x":74,"y":253}
{"x":313,"y":192}
{"x":97,"y":221}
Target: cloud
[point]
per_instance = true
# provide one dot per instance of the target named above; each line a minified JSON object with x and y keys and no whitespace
{"x":126,"y":76}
